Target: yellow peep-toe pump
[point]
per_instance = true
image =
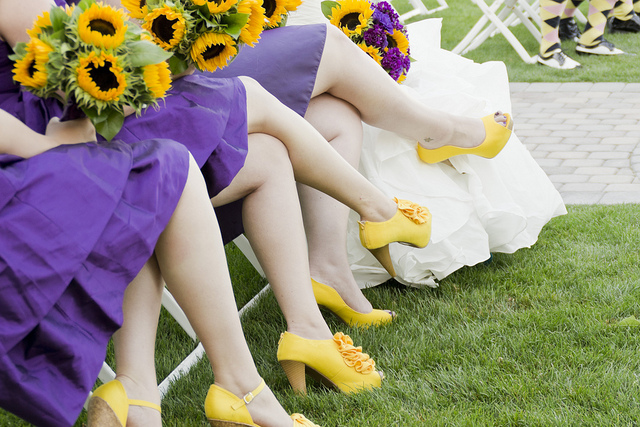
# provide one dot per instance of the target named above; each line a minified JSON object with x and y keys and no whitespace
{"x":334,"y":362}
{"x":330,"y":299}
{"x":109,"y":405}
{"x":496,"y":137}
{"x":411,"y":225}
{"x":225,"y":409}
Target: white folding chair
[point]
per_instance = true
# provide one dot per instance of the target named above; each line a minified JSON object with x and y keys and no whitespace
{"x":419,"y":8}
{"x":169,"y":303}
{"x":501,"y":15}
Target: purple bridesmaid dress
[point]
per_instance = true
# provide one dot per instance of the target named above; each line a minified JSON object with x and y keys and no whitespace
{"x":77,"y":223}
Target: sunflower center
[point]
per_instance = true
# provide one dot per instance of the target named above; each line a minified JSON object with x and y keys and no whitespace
{"x":269,"y":7}
{"x":350,"y":20}
{"x":103,"y":27}
{"x":103,"y":77}
{"x":163,"y":28}
{"x":212,"y":51}
{"x":392,"y":42}
{"x":32,"y":68}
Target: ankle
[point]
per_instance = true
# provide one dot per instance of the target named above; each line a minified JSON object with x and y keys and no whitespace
{"x":140,"y":390}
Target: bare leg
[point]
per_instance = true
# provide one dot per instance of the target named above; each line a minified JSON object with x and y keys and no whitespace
{"x":273,"y":225}
{"x":191,"y":258}
{"x":381,"y":101}
{"x":325,"y":219}
{"x":314,"y":162}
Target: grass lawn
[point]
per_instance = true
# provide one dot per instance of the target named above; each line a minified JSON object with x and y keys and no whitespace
{"x":463,"y":14}
{"x":528,"y":339}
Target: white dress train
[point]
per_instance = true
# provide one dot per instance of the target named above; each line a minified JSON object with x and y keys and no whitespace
{"x":479,"y":206}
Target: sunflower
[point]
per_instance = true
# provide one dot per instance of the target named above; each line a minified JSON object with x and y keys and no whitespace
{"x":157,"y":77}
{"x":102,"y":26}
{"x":101,"y":77}
{"x":352,"y":17}
{"x":43,"y":21}
{"x":398,"y":39}
{"x":31,"y":70}
{"x":292,"y":5}
{"x":166,"y":25}
{"x":250,"y":33}
{"x":137,"y":8}
{"x":213,"y":50}
{"x":216,"y":6}
{"x":274,"y":11}
{"x":372,"y":51}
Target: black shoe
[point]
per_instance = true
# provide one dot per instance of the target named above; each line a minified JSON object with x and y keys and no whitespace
{"x":615,"y":25}
{"x":568,"y":29}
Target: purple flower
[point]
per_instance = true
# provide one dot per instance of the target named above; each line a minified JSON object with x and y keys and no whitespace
{"x":395,"y":63}
{"x":388,"y":10}
{"x":375,"y":36}
{"x":382,"y":19}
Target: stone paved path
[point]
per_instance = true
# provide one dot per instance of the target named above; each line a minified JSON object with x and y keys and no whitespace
{"x":586,"y":136}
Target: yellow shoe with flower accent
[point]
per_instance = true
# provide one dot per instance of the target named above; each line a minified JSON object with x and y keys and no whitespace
{"x":225,"y":409}
{"x":496,"y":137}
{"x":411,"y":225}
{"x":335,"y":362}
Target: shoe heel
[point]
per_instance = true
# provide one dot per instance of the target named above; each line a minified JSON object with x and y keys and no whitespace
{"x":100,"y":414}
{"x":296,"y":374}
{"x":384,"y":258}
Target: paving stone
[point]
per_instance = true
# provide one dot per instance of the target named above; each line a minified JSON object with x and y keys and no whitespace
{"x":596,"y":171}
{"x":584,"y":186}
{"x":547,"y":163}
{"x":620,"y":197}
{"x":535,"y":139}
{"x":609,"y":155}
{"x":544,"y":87}
{"x":575,"y":87}
{"x":620,"y":140}
{"x":580,"y":197}
{"x":576,"y":163}
{"x":624,"y":187}
{"x":593,"y":94}
{"x":611,"y":179}
{"x":571,"y":178}
{"x":632,"y":87}
{"x":567,"y":155}
{"x":608,"y":87}
{"x":620,"y":164}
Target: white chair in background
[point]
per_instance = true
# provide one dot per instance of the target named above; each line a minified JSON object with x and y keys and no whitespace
{"x":498,"y":18}
{"x":419,"y":8}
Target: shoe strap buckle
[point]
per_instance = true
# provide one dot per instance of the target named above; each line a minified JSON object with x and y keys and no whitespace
{"x":248,"y":398}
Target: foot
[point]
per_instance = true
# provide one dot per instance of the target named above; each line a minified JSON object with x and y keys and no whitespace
{"x":604,"y":47}
{"x":265,"y":410}
{"x":466,"y":132}
{"x":632,"y":25}
{"x":141,"y":416}
{"x":559,"y":60}
{"x":568,"y":30}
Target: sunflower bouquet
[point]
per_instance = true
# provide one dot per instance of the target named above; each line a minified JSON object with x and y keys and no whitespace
{"x":204,"y":33}
{"x":376,"y":29}
{"x":89,"y":57}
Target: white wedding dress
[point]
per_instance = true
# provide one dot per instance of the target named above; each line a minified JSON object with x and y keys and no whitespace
{"x":479,"y":206}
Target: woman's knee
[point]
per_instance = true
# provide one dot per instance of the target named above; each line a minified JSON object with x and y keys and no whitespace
{"x":269,"y":156}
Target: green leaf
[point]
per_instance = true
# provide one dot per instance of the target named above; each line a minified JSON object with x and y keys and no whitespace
{"x":143,"y":53}
{"x":58,"y":18}
{"x":235,"y":23}
{"x":177,"y":65}
{"x":111,"y":125}
{"x":327,"y":6}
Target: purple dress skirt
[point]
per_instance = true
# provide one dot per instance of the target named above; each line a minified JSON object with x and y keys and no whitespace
{"x":77,"y":223}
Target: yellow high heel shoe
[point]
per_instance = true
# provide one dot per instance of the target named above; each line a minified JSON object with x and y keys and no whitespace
{"x":411,"y":225}
{"x":330,"y":299}
{"x":335,"y":362}
{"x":496,"y":138}
{"x":225,"y":409}
{"x":109,"y":405}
